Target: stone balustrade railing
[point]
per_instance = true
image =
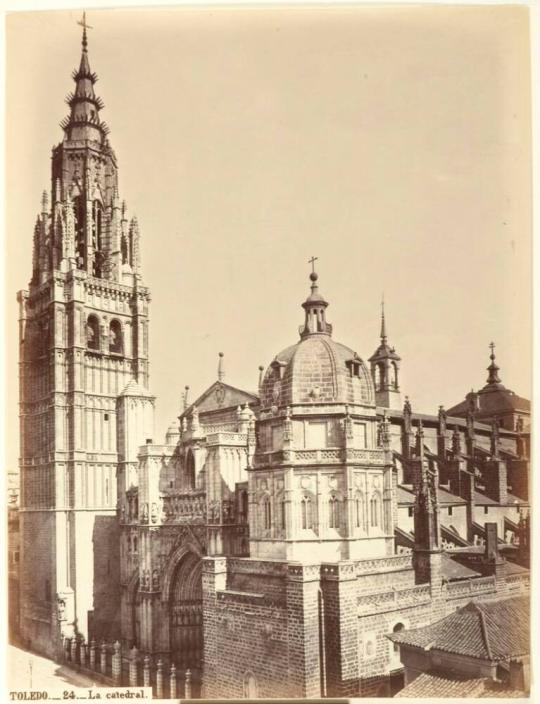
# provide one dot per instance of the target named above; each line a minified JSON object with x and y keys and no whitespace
{"x":470,"y":587}
{"x":222,"y":437}
{"x":390,"y":563}
{"x":223,"y":428}
{"x":183,"y":507}
{"x":395,"y":598}
{"x":327,"y":455}
{"x":107,"y":663}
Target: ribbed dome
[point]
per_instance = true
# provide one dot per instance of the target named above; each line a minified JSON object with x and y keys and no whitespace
{"x":316,"y":370}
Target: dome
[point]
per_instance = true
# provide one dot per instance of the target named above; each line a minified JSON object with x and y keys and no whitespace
{"x":173,"y":433}
{"x":316,"y":370}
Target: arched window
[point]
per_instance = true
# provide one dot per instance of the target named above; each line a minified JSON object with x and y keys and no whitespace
{"x":267,"y":513}
{"x":190,"y":470}
{"x":92,"y":333}
{"x":359,"y":509}
{"x":97,"y":237}
{"x":307,"y":512}
{"x":397,"y":628}
{"x":243,"y":506}
{"x":395,"y":383}
{"x":375,"y":510}
{"x":80,"y":240}
{"x":250,"y":689}
{"x":115,"y":337}
{"x":333,"y":512}
{"x":280,"y":511}
{"x":135,"y":547}
{"x":124,"y":248}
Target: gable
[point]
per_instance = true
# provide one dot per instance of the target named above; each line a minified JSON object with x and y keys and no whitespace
{"x":220,"y":396}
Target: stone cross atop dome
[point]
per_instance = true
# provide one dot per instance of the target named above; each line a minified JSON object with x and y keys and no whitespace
{"x":315,"y":307}
{"x":493,"y":369}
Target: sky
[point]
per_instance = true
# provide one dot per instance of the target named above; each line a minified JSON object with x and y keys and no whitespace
{"x":393,"y":143}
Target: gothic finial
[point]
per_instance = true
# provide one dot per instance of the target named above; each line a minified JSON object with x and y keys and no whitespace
{"x":493,"y":369}
{"x":44,"y":202}
{"x":221,"y":370}
{"x":383,"y":322}
{"x":186,"y":394}
{"x":442,"y":419}
{"x":261,"y":372}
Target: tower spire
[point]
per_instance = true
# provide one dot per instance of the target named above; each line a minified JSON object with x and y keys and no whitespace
{"x":83,"y":122}
{"x":383,"y":323}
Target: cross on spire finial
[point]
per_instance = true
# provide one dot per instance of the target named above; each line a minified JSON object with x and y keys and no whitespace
{"x":493,"y":369}
{"x":85,"y":26}
{"x":312,"y":262}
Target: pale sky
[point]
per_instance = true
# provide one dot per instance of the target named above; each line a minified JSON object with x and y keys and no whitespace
{"x":391,"y":142}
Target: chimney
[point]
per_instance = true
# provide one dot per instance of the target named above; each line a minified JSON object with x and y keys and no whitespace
{"x":520,"y":675}
{"x":492,"y":548}
{"x":495,"y":477}
{"x":494,"y":561}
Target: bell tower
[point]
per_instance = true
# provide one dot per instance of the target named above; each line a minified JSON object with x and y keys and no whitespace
{"x":83,"y":335}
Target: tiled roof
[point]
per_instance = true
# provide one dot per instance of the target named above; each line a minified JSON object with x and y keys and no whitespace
{"x":502,"y":691}
{"x":483,"y":500}
{"x":445,"y":497}
{"x":433,"y":684}
{"x":452,"y":570}
{"x":451,"y":533}
{"x":495,"y":630}
{"x":513,"y":499}
{"x":405,"y":496}
{"x":436,"y":684}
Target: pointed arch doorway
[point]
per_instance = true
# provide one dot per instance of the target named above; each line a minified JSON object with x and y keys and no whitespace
{"x":185,"y":609}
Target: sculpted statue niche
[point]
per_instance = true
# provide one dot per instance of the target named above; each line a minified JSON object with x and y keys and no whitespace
{"x":115,"y":337}
{"x":92,"y":333}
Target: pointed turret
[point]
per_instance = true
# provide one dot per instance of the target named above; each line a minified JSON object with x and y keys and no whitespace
{"x":385,"y":370}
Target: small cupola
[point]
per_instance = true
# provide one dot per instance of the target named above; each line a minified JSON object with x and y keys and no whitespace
{"x":493,"y":380}
{"x":315,"y":307}
{"x":385,"y":370}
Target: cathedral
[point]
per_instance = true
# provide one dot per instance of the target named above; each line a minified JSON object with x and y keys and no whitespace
{"x":277,"y":540}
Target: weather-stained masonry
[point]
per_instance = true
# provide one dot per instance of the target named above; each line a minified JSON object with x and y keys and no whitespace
{"x":275,"y":540}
